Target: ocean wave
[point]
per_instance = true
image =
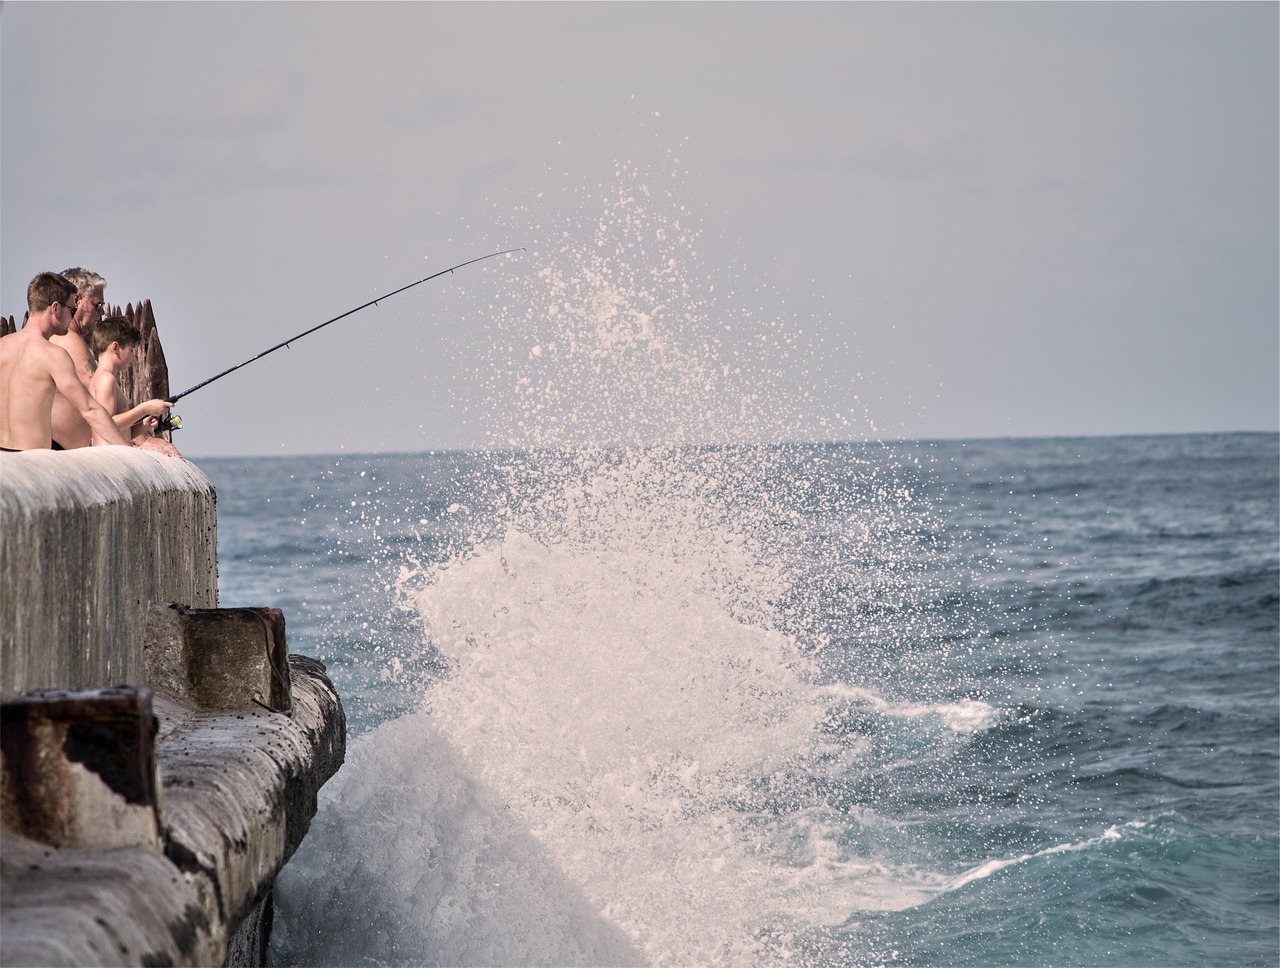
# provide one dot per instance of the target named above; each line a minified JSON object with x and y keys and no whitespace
{"x":856,"y":710}
{"x":1160,"y":830}
{"x":1136,"y":776}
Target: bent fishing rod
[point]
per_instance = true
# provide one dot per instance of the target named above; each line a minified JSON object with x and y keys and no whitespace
{"x":372,"y":302}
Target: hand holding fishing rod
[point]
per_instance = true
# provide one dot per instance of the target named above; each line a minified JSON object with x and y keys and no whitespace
{"x":174,"y":422}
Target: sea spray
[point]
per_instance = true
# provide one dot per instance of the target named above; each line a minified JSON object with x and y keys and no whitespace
{"x":1062,"y":819}
{"x":618,"y":714}
{"x":639,"y":742}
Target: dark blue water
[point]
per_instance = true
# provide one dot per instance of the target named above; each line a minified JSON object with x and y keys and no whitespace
{"x":1044,"y":676}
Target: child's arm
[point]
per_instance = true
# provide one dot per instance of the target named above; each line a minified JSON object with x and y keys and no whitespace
{"x":151,"y":408}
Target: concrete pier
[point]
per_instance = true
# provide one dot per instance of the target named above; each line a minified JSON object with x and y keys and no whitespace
{"x":88,"y":540}
{"x":160,"y":757}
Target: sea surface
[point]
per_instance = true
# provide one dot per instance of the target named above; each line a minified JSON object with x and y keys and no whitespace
{"x":985,"y":702}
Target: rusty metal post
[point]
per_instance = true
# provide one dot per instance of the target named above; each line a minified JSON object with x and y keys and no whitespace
{"x":79,"y":768}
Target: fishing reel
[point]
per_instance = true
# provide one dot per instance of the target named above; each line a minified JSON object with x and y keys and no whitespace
{"x":169,"y":422}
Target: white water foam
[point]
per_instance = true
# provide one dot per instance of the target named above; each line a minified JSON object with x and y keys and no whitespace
{"x":616,"y":771}
{"x":624,"y":763}
{"x":1110,"y":835}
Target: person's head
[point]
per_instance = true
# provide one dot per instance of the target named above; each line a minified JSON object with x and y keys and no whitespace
{"x":50,"y":291}
{"x":116,"y":334}
{"x":90,"y":289}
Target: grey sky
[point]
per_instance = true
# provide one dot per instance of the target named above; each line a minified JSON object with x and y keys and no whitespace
{"x":998,"y":219}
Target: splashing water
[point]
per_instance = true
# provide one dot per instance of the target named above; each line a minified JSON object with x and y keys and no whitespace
{"x":638,"y":752}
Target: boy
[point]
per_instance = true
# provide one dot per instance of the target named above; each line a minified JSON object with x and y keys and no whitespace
{"x":113,"y":341}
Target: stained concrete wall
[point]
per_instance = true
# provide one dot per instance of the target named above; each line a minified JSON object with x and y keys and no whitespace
{"x":88,"y":540}
{"x":237,"y":794}
{"x":108,"y":557}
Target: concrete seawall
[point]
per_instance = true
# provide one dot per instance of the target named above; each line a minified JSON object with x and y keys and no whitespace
{"x":160,"y":756}
{"x":88,"y":540}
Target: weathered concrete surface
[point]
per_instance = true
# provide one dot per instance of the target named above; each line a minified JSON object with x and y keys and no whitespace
{"x":239,"y":789}
{"x":219,"y":658}
{"x":215,"y":764}
{"x":88,"y":540}
{"x":237,"y":794}
{"x":79,"y":768}
{"x":101,"y":907}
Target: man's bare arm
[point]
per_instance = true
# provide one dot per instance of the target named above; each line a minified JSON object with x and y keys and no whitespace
{"x":95,"y":414}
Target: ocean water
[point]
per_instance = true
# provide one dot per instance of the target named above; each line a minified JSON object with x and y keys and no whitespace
{"x":989,"y":702}
{"x":618,"y":696}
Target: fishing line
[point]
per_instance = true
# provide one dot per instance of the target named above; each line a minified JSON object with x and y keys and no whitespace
{"x":230,"y":390}
{"x":372,"y":302}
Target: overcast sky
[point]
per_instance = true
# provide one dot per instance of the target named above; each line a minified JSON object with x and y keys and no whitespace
{"x":970,"y":219}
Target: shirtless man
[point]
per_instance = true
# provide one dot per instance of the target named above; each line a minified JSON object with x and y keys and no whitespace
{"x":69,"y":427}
{"x":33,"y":370}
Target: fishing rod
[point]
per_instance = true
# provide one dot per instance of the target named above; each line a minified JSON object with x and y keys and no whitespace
{"x":176,"y":422}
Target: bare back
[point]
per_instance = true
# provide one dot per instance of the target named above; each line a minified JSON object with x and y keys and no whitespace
{"x":105,"y":388}
{"x":28,"y":364}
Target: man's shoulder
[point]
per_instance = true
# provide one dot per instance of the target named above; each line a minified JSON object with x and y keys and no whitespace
{"x":71,"y":343}
{"x":51,"y":355}
{"x":26,"y":342}
{"x":33,"y":356}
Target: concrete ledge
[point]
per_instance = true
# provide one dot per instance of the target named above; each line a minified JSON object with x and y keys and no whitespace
{"x":219,"y":658}
{"x":79,"y":768}
{"x":237,"y":794}
{"x":100,"y":907}
{"x":160,"y":757}
{"x":88,"y":540}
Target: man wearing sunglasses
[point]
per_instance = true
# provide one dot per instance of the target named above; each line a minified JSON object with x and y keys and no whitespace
{"x":69,"y":428}
{"x":33,"y":371}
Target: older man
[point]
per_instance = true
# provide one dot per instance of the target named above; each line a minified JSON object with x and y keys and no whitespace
{"x":33,"y":371}
{"x":69,"y":427}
